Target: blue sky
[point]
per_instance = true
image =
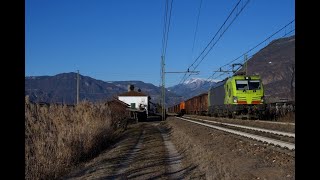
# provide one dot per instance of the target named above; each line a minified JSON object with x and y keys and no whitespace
{"x":115,"y":40}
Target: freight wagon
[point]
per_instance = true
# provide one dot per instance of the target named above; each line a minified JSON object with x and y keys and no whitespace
{"x":197,"y":105}
{"x":179,"y":109}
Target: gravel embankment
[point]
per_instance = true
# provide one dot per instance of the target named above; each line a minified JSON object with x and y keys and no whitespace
{"x":219,"y":155}
{"x":259,"y":124}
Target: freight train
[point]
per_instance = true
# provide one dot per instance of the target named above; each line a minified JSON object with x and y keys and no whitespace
{"x":239,"y":96}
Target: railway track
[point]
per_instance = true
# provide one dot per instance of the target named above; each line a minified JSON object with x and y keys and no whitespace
{"x":276,"y":142}
{"x":271,"y":122}
{"x":248,"y":127}
{"x":262,"y":121}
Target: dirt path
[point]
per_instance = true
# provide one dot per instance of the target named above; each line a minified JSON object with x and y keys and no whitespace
{"x":173,"y":160}
{"x":145,"y":153}
{"x":130,"y":157}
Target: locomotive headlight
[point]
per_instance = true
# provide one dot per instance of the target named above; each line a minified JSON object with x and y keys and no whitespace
{"x":235,"y":99}
{"x":262,"y":99}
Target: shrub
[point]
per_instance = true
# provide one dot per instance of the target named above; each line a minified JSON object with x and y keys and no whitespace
{"x":60,"y":136}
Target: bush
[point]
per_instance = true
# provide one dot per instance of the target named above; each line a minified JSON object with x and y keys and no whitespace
{"x":60,"y":136}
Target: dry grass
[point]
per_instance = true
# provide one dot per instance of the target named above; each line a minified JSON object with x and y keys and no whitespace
{"x":58,"y":136}
{"x":289,"y":117}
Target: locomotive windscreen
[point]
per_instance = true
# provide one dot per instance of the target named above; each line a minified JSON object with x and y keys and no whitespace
{"x":242,"y":84}
{"x":247,"y":85}
{"x":254,"y":84}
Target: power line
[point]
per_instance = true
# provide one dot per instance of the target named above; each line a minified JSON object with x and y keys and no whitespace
{"x":265,"y":40}
{"x":163,"y":52}
{"x":212,"y":76}
{"x":167,"y":35}
{"x":195,"y":32}
{"x":163,"y":44}
{"x":221,"y":31}
{"x":166,"y":27}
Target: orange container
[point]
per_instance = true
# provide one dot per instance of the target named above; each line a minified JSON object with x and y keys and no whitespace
{"x":182,"y":105}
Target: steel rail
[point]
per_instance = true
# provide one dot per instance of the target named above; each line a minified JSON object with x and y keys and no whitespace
{"x":248,"y":127}
{"x":248,"y":135}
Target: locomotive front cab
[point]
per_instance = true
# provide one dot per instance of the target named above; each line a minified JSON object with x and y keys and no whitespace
{"x":245,"y":95}
{"x":244,"y":90}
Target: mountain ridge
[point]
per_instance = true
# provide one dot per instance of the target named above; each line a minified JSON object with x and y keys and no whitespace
{"x":61,"y":88}
{"x":275,"y":63}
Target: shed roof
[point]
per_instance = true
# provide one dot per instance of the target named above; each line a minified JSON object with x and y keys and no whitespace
{"x":117,"y":101}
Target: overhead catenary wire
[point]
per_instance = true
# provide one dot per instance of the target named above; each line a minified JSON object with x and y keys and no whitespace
{"x":223,"y":73}
{"x":166,"y":28}
{"x":196,"y":29}
{"x":195,"y":34}
{"x":167,"y":35}
{"x":251,"y":49}
{"x":212,"y":76}
{"x":221,"y":30}
{"x":265,"y":40}
{"x":163,"y":39}
{"x":218,"y":39}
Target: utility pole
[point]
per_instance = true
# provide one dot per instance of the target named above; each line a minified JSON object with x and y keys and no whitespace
{"x":246,"y":64}
{"x":163,"y":89}
{"x":78,"y":87}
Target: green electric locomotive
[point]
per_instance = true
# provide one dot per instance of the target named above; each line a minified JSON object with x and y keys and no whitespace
{"x":239,"y":96}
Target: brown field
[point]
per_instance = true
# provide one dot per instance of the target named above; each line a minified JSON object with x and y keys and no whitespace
{"x":57,"y":137}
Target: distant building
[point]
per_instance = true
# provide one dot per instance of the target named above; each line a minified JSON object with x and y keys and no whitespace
{"x":136,"y":100}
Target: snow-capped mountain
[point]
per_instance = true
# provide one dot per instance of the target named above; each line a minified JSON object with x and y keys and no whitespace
{"x":193,"y":87}
{"x":200,"y":80}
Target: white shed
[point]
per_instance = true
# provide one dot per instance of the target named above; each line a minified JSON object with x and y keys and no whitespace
{"x":136,"y":100}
